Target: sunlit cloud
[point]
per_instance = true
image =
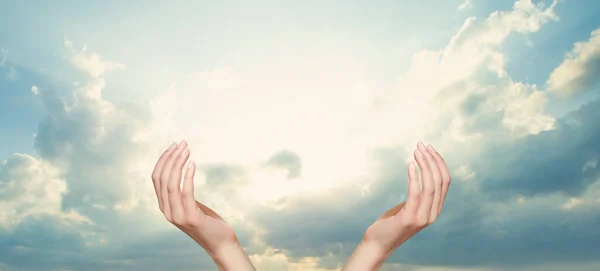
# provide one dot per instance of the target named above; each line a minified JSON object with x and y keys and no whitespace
{"x":303,"y":148}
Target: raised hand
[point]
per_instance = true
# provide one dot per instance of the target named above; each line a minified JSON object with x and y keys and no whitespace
{"x":400,"y":223}
{"x":199,"y":222}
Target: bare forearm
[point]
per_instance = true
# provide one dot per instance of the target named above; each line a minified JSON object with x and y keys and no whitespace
{"x":233,"y":258}
{"x":366,"y":257}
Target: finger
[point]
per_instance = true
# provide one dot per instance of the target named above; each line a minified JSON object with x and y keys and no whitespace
{"x":187,"y":193}
{"x":164,"y":179}
{"x":427,"y":190}
{"x":173,"y":187}
{"x":437,"y":181}
{"x":414,"y":191}
{"x":156,"y":173}
{"x":446,"y":178}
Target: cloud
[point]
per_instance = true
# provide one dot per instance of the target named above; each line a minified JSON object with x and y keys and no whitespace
{"x":467,"y":4}
{"x":4,"y":56}
{"x":288,"y":161}
{"x":512,"y":181}
{"x":580,"y":68}
{"x":470,"y":72}
{"x":522,"y":177}
{"x":10,"y":73}
{"x":89,"y":178}
{"x":91,"y":63}
{"x":541,"y":166}
{"x":32,"y":187}
{"x":484,"y":225}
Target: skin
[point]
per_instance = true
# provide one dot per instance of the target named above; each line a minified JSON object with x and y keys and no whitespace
{"x":201,"y":223}
{"x":405,"y":220}
{"x":387,"y":233}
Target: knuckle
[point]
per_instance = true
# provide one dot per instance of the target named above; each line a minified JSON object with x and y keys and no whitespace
{"x":163,"y":177}
{"x":430,"y":190}
{"x":408,"y":222}
{"x":171,"y":188}
{"x":421,"y":222}
{"x":178,"y":221}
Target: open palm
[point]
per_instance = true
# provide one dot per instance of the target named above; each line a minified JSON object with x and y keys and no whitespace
{"x":422,"y":207}
{"x":180,"y":207}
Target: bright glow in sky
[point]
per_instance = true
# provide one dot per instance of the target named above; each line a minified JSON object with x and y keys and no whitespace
{"x":301,"y":118}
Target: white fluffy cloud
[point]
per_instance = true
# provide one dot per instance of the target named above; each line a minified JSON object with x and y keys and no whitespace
{"x":580,"y":68}
{"x":466,"y":82}
{"x":91,"y":63}
{"x":281,"y":144}
{"x":467,"y":4}
{"x":30,"y":186}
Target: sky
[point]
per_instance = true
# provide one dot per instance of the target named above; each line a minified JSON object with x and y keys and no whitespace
{"x":301,"y":116}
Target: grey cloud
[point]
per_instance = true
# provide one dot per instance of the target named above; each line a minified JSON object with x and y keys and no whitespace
{"x":93,"y":139}
{"x":43,"y":239}
{"x":289,"y":161}
{"x":472,"y":231}
{"x":221,"y":174}
{"x":92,"y":142}
{"x":55,"y":247}
{"x":552,"y":161}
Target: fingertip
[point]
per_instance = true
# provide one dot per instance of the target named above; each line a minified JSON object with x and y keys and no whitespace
{"x":185,"y":152}
{"x":191,"y":168}
{"x":183,"y":143}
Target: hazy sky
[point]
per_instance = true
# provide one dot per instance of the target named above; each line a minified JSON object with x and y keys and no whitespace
{"x":301,"y":116}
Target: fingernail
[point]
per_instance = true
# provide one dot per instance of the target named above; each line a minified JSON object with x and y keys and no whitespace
{"x":431,"y":149}
{"x":183,"y":143}
{"x":184,"y":152}
{"x":192,"y":164}
{"x":172,"y":147}
{"x":420,"y":145}
{"x":411,"y":165}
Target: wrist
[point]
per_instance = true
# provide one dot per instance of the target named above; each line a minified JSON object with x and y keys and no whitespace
{"x":366,"y":256}
{"x":232,"y":256}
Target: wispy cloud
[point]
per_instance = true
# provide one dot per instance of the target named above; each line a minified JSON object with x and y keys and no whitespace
{"x":467,"y":4}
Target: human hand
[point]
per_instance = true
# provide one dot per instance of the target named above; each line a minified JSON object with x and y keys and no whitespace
{"x":199,"y":222}
{"x":408,"y":218}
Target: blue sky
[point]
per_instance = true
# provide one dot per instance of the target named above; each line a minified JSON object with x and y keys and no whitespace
{"x":91,"y":92}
